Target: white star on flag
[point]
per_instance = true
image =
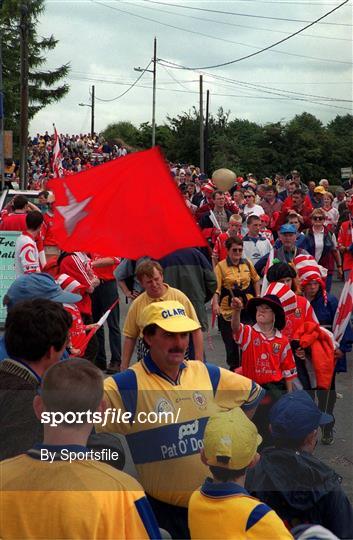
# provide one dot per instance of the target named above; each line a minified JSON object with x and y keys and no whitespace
{"x":73,"y":212}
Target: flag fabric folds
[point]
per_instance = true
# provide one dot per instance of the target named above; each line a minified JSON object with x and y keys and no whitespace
{"x":344,"y":309}
{"x":129,"y":207}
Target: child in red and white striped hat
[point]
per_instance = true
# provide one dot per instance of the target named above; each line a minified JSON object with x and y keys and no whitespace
{"x":308,"y":271}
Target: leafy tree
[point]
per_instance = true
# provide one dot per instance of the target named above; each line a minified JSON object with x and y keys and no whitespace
{"x":304,"y":143}
{"x":125,"y":132}
{"x":43,"y":84}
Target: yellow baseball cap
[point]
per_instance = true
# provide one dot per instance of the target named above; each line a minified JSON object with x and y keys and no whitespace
{"x":321,"y":190}
{"x":170,"y":316}
{"x":232,"y":435}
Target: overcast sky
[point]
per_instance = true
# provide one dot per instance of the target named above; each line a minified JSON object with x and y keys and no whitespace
{"x":103,"y":40}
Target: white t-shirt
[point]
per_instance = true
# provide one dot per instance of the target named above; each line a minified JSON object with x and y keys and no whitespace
{"x":26,"y":255}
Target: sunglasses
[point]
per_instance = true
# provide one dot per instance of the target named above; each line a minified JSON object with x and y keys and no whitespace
{"x":236,"y":250}
{"x":318,"y":219}
{"x":248,"y":196}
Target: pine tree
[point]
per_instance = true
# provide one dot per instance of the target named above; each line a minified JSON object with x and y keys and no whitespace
{"x":43,"y":84}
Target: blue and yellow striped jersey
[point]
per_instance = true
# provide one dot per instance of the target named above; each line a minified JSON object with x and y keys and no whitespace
{"x":166,"y":454}
{"x":226,"y":511}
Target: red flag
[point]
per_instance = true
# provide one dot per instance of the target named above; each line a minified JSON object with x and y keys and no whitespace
{"x":344,"y":309}
{"x":57,"y":157}
{"x":129,"y":207}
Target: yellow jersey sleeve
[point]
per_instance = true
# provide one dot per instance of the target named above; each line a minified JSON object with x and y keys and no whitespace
{"x":237,"y":391}
{"x":113,"y":422}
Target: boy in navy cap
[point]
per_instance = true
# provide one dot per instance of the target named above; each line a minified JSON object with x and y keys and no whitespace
{"x":297,"y":485}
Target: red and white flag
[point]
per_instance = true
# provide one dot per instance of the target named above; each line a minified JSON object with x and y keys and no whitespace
{"x":82,"y":344}
{"x":344,"y":309}
{"x":57,"y":157}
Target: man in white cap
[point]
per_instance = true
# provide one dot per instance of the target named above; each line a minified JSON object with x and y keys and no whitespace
{"x":165,"y":451}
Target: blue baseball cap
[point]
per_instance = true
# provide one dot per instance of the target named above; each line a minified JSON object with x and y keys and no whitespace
{"x":288,"y":228}
{"x":295,"y":415}
{"x":38,"y":285}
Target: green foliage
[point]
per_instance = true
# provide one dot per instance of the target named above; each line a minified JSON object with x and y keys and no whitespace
{"x":124,"y":132}
{"x":44,"y":86}
{"x":304,"y":143}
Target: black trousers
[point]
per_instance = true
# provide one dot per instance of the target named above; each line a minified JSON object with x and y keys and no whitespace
{"x":102,"y":298}
{"x":232,"y":349}
{"x":173,"y":519}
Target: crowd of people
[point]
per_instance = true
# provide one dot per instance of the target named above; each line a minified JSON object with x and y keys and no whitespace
{"x":237,"y":460}
{"x":78,"y":153}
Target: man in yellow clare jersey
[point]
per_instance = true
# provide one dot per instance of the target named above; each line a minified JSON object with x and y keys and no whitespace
{"x":165,"y":450}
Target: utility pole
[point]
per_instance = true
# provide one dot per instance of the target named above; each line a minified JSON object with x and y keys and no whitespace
{"x":91,"y":105}
{"x":24,"y":94}
{"x":202,"y":155}
{"x":154,"y":72}
{"x":92,"y":112}
{"x":154,"y":92}
{"x":2,"y":164}
{"x":206,"y":131}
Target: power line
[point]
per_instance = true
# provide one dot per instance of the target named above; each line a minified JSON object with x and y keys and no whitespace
{"x":272,"y":30}
{"x":177,"y":66}
{"x":233,"y":82}
{"x":241,"y":14}
{"x":116,"y":81}
{"x":276,"y":97}
{"x":130,"y":87}
{"x":274,"y":44}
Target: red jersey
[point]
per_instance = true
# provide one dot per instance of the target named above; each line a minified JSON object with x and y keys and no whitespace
{"x":303,"y":312}
{"x":47,"y":230}
{"x":106,"y":273}
{"x":264,"y":359}
{"x":345,"y":239}
{"x":77,"y":330}
{"x":14,"y":222}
